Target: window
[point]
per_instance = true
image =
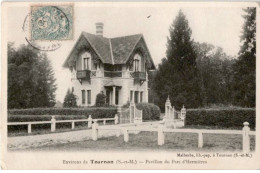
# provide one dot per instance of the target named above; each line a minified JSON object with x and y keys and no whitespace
{"x":89,"y":96}
{"x":86,"y":61}
{"x":86,"y":64}
{"x":137,"y":63}
{"x":83,"y":94}
{"x":131,"y":96}
{"x":141,"y":96}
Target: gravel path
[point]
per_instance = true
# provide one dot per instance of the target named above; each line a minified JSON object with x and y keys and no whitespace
{"x":21,"y":142}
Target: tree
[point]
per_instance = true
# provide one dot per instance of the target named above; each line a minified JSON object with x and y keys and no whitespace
{"x":31,"y":81}
{"x":177,"y":74}
{"x":70,"y":100}
{"x":100,"y":99}
{"x":244,"y":83}
{"x":215,"y":69}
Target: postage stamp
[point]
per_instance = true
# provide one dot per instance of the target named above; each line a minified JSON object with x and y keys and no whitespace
{"x":51,"y":22}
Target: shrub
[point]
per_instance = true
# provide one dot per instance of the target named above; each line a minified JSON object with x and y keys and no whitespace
{"x":233,"y":118}
{"x":150,"y":111}
{"x":100,"y":99}
{"x":70,"y":100}
{"x":95,"y":112}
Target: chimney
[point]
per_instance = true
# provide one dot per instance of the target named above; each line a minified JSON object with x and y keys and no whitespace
{"x":99,"y":29}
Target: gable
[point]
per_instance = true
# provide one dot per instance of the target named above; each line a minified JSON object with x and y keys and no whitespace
{"x":81,"y":45}
{"x":141,"y":48}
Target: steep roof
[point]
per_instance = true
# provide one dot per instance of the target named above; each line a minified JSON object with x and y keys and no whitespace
{"x":122,"y":47}
{"x":111,"y":50}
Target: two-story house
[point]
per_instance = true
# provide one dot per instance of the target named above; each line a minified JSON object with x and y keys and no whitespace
{"x":115,"y":66}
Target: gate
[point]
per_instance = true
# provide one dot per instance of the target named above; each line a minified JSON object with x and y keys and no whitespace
{"x":131,"y":115}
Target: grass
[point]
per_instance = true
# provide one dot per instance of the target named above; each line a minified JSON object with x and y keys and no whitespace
{"x":148,"y":141}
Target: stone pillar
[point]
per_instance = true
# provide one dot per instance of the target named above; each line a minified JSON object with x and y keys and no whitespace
{"x":30,"y":128}
{"x":89,"y":121}
{"x":160,"y":135}
{"x":119,"y":113}
{"x":95,"y":131}
{"x":200,"y":140}
{"x":246,"y":139}
{"x":167,"y":107}
{"x":73,"y":125}
{"x":53,"y":123}
{"x":126,"y":135}
{"x":114,"y":96}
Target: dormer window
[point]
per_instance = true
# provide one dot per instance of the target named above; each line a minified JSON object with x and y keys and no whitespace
{"x":137,"y":63}
{"x":86,"y":61}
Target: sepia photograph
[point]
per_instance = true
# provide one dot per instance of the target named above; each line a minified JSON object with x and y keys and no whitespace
{"x":129,"y":85}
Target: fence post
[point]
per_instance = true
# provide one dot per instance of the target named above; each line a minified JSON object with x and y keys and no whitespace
{"x":200,"y":140}
{"x":183,"y":114}
{"x":89,"y":121}
{"x":29,"y":128}
{"x":73,"y":125}
{"x":95,"y":131}
{"x":160,"y":135}
{"x":246,"y":139}
{"x":119,"y":113}
{"x":104,"y":122}
{"x":53,"y":123}
{"x":116,"y":119}
{"x":126,"y":136}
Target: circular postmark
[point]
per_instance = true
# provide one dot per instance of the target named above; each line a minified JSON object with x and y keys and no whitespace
{"x":42,"y":45}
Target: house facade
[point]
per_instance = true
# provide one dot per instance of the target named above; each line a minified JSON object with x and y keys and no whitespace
{"x":115,"y":66}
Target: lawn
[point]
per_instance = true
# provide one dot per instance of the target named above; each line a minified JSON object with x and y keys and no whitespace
{"x":148,"y":141}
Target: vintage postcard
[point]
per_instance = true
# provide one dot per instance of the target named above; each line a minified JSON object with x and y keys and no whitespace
{"x":130,"y":85}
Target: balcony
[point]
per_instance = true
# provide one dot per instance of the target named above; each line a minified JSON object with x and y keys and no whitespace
{"x":140,"y":76}
{"x":112,"y":74}
{"x":83,"y":75}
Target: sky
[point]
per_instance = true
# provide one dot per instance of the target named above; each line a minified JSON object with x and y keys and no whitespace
{"x":220,"y":26}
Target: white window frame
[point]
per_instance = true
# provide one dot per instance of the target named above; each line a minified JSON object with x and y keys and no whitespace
{"x":137,"y":58}
{"x":84,"y":56}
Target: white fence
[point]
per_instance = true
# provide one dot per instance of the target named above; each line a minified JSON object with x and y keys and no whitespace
{"x":245,"y":132}
{"x":53,"y":122}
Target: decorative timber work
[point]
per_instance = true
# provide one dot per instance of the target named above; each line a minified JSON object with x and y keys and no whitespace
{"x":82,"y":46}
{"x":141,"y":49}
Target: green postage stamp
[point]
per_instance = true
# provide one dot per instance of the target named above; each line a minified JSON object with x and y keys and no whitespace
{"x":52,"y":22}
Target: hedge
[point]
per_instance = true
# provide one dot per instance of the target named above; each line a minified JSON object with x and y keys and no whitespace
{"x":95,"y":112}
{"x":227,"y":118}
{"x":150,"y":111}
{"x":45,"y":114}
